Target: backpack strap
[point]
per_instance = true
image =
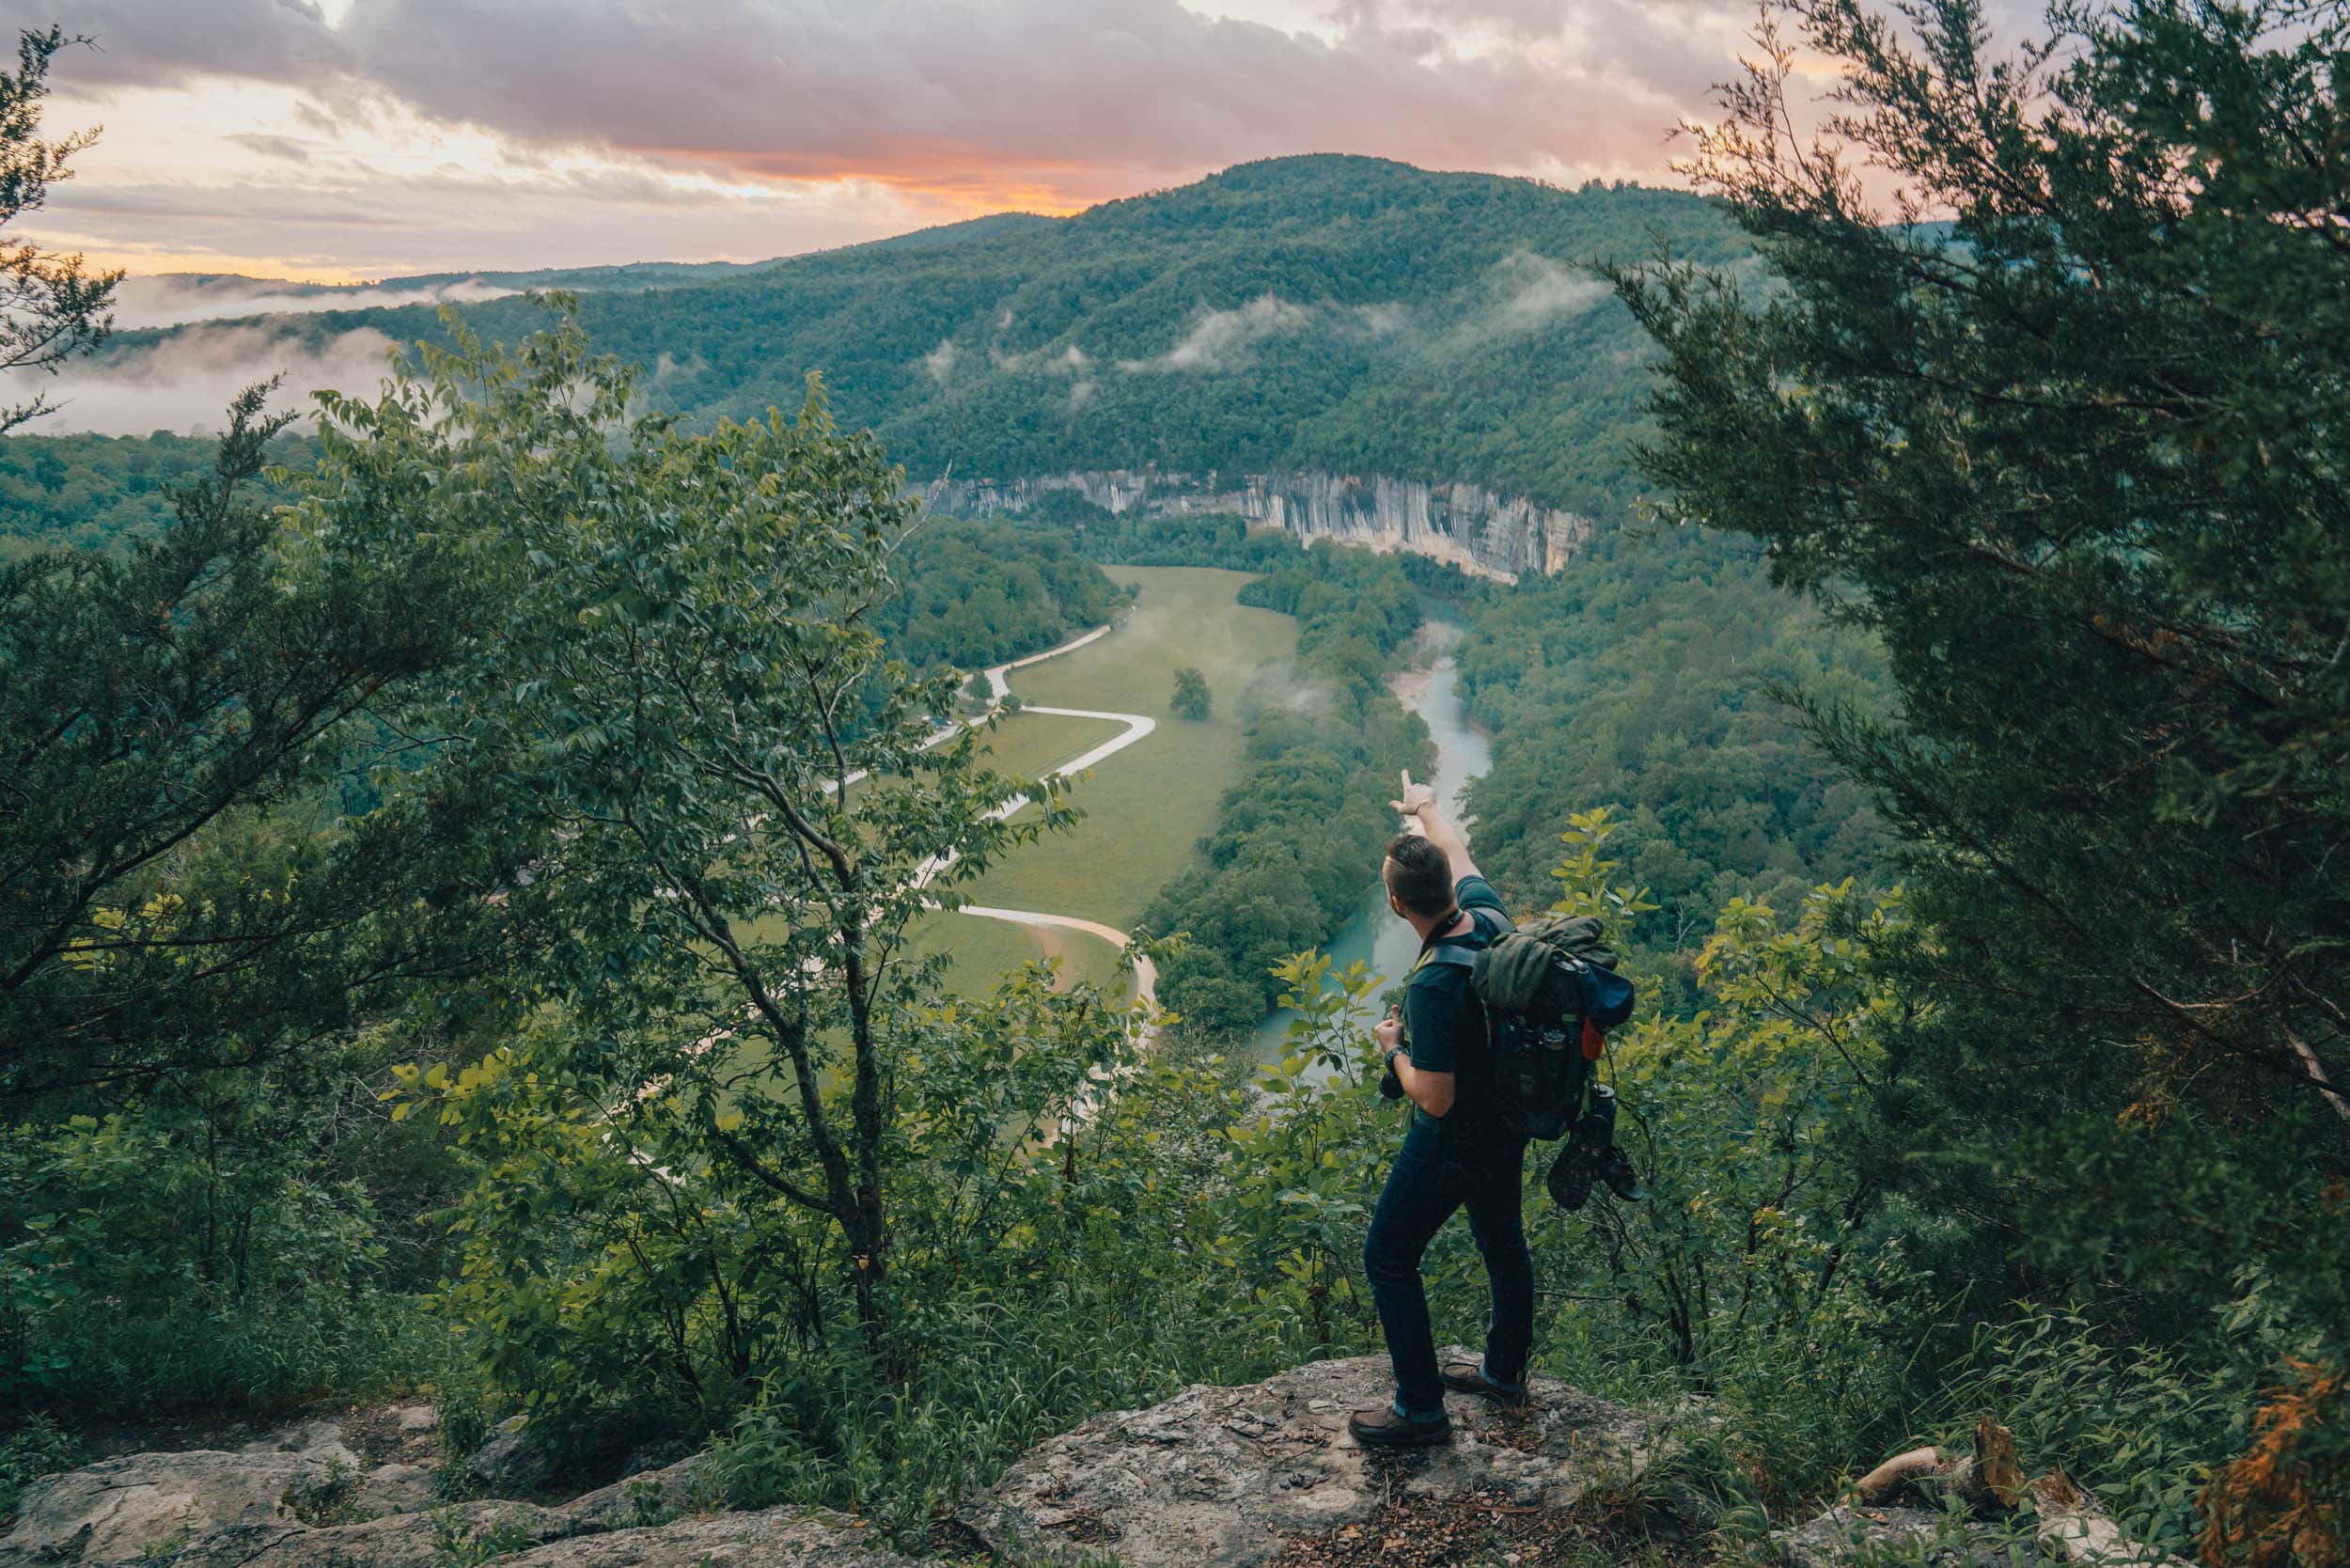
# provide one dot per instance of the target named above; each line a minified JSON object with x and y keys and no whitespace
{"x":1447,"y":952}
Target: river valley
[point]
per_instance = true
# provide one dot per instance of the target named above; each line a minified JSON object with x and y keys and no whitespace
{"x":1374,"y":935}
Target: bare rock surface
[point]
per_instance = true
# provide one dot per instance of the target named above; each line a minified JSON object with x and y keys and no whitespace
{"x":323,"y":1439}
{"x":771,"y":1538}
{"x":117,"y":1509}
{"x":414,"y":1417}
{"x":1214,"y":1478}
{"x":513,"y":1461}
{"x":271,"y":1508}
{"x":1226,"y":1478}
{"x":463,"y":1532}
{"x":1864,"y":1535}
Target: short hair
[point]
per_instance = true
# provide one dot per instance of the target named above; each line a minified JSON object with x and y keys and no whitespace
{"x":1419,"y":875}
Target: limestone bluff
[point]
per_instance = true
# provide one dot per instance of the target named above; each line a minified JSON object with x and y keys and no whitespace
{"x":1461,"y":524}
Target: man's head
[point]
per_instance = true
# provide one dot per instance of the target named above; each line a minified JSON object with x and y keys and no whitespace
{"x":1418,"y":878}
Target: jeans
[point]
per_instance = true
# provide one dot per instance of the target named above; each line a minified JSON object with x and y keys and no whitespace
{"x":1437,"y":1171}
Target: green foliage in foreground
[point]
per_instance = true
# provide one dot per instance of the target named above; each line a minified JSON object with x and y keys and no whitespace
{"x":183,"y":895}
{"x":214,"y":1250}
{"x":2075,"y":464}
{"x":34,"y":1449}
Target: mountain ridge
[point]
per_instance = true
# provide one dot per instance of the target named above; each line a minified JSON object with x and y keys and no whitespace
{"x":1322,"y":313}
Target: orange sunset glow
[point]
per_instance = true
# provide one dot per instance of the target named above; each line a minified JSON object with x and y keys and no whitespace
{"x":371,"y":138}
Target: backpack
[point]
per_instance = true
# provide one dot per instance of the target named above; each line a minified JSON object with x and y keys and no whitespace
{"x":1550,"y":993}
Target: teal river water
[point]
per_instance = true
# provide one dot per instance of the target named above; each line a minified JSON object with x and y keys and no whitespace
{"x":1375,"y":934}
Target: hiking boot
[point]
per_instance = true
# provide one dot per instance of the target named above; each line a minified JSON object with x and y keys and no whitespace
{"x":1468,"y":1377}
{"x":1569,"y":1180}
{"x":1621,"y":1178}
{"x":1390,"y":1428}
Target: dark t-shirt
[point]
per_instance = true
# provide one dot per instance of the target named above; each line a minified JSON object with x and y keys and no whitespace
{"x":1441,"y":1015}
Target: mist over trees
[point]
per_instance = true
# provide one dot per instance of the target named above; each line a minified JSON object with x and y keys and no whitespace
{"x":1340,"y":313}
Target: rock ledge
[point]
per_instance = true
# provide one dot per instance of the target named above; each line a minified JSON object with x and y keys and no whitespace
{"x":1229,"y":1478}
{"x":308,"y":1501}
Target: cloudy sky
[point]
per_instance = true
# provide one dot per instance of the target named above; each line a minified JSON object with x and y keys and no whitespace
{"x":348,"y":139}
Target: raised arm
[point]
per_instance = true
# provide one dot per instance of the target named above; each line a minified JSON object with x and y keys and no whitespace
{"x":1419,"y":803}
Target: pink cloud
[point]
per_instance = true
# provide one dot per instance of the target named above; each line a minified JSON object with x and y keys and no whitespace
{"x":1065,"y":101}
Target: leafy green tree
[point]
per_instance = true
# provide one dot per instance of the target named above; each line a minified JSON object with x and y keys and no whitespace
{"x":624,"y":1251}
{"x":2073,"y":455}
{"x":234,"y":1258}
{"x":173,"y":896}
{"x":52,"y":307}
{"x":1190,"y":701}
{"x":221,"y":909}
{"x":684,"y":690}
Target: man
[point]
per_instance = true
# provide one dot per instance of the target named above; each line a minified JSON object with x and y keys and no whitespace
{"x":1455,"y":1155}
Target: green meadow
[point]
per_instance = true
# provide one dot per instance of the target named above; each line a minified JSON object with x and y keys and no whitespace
{"x":980,"y":951}
{"x":1028,"y":745}
{"x":1147,"y":806}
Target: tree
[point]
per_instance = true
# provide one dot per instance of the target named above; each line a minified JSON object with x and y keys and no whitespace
{"x":2075,"y":457}
{"x":174,"y":895}
{"x":1190,"y":701}
{"x":52,"y":307}
{"x":684,"y":690}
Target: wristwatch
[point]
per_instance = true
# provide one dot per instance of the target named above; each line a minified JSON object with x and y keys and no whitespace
{"x":1388,"y":1058}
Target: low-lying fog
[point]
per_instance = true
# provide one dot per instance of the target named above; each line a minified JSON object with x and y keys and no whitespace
{"x":183,"y":383}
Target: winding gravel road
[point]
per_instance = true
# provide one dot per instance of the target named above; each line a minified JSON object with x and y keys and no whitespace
{"x":1137,"y":726}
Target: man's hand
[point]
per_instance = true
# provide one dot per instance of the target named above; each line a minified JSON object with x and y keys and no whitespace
{"x":1416,"y":797}
{"x":1420,"y":803}
{"x":1388,"y":1032}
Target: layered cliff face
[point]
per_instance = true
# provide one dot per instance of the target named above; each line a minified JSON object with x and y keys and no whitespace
{"x":1465,"y":524}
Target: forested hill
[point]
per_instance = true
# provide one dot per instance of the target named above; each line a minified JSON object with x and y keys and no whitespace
{"x":1325,"y":312}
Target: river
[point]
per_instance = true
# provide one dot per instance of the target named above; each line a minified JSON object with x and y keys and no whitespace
{"x":1376,"y":936}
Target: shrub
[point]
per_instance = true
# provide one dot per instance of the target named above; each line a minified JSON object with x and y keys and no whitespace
{"x":2139,"y":1428}
{"x":36,"y":1447}
{"x":2286,"y":1499}
{"x":141,"y":1270}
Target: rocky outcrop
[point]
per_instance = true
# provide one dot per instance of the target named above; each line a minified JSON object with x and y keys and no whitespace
{"x":1232,"y":1477}
{"x":306,"y":1499}
{"x":772,"y":1538}
{"x":128,"y":1509}
{"x":1263,"y":1476}
{"x":1465,"y":524}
